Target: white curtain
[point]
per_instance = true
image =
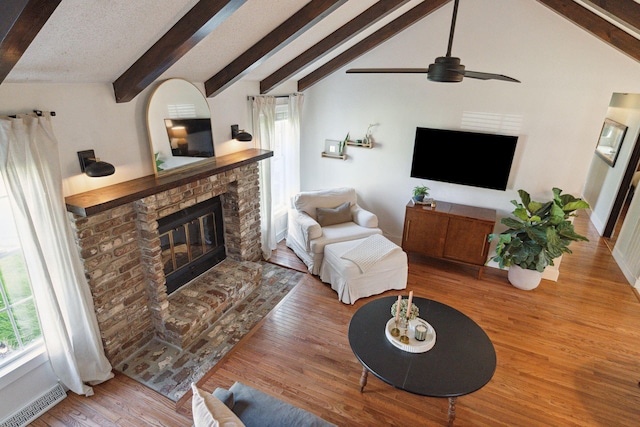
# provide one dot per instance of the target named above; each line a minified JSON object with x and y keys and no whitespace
{"x":264,"y":119}
{"x":30,"y":167}
{"x":264,"y":131}
{"x":292,"y":154}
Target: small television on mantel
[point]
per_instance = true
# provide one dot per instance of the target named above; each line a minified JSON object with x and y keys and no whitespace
{"x":467,"y":158}
{"x":190,"y":137}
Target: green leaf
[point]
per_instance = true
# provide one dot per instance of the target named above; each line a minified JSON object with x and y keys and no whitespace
{"x":541,"y":209}
{"x":575,"y":205}
{"x":557,"y":215}
{"x":535,"y":207}
{"x":537,"y":234}
{"x":525,"y":197}
{"x":521,"y":213}
{"x":512,"y":223}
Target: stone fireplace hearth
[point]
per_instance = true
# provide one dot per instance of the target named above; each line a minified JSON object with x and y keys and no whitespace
{"x":120,"y":246}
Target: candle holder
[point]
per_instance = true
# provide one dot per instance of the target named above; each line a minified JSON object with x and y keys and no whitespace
{"x":404,"y":338}
{"x":420,"y":332}
{"x":395,"y":331}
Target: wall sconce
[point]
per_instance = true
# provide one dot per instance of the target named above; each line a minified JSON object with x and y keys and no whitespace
{"x":93,"y":166}
{"x":240,"y":135}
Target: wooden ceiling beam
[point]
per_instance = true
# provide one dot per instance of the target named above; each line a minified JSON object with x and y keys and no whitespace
{"x":358,"y":24}
{"x":596,"y":25}
{"x":194,"y":26}
{"x":298,"y":23}
{"x":391,"y":29}
{"x":20,"y":22}
{"x":626,"y":11}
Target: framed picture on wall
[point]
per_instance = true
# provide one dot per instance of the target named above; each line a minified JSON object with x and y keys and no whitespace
{"x":610,"y":141}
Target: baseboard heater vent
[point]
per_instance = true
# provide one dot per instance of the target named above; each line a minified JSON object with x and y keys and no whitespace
{"x":35,"y":408}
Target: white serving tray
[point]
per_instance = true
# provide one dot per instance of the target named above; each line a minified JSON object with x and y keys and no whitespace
{"x":414,"y":345}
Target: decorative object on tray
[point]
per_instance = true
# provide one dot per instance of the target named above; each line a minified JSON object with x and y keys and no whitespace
{"x":413,"y":345}
{"x":404,"y":311}
{"x":420,"y":332}
{"x":419,"y":193}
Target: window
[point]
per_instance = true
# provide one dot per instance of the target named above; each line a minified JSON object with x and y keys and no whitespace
{"x":19,"y":325}
{"x":279,"y":196}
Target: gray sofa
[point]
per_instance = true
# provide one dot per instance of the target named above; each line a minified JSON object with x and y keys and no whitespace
{"x":258,"y":409}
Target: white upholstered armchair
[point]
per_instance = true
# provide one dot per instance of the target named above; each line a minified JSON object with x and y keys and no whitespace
{"x":319,"y":218}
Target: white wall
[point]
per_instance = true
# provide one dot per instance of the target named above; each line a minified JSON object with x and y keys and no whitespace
{"x":87,"y":117}
{"x":561,"y":102}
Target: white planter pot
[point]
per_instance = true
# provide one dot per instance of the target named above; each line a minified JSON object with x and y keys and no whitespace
{"x":524,"y":279}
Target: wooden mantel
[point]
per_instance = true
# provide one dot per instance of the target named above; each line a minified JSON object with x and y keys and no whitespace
{"x":102,"y":199}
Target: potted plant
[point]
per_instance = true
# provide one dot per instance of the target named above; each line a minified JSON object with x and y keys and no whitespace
{"x":539,"y":233}
{"x":420,"y":192}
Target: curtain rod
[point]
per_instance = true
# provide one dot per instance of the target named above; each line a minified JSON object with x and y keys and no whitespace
{"x":38,"y":113}
{"x":251,"y":98}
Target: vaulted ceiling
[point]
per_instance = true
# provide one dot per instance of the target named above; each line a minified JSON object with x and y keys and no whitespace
{"x":131,"y":44}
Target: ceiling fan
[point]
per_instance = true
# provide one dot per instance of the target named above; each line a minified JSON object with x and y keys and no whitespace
{"x":446,"y":69}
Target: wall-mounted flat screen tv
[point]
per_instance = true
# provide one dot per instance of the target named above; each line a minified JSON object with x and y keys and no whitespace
{"x":466,"y":158}
{"x":190,"y":137}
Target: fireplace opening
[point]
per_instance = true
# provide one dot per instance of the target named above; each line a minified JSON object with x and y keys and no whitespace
{"x":192,"y":241}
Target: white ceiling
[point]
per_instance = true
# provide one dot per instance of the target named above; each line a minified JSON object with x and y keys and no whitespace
{"x":92,"y":41}
{"x":95,"y":41}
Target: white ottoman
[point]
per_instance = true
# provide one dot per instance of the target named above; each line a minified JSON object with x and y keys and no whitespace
{"x":350,"y":282}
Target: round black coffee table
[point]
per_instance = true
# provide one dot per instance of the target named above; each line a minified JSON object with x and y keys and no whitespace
{"x":462,"y":360}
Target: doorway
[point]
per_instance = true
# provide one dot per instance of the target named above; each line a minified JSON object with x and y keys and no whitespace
{"x":626,"y":192}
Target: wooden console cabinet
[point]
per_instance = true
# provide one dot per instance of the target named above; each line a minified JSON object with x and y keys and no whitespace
{"x":449,"y":231}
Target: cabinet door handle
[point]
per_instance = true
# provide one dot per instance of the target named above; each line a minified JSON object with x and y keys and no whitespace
{"x":406,"y":233}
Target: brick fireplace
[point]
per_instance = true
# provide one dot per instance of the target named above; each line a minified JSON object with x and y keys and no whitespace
{"x":118,"y":239}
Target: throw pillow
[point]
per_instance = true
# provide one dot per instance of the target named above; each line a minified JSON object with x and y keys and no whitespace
{"x":225,"y":396}
{"x":337,"y":215}
{"x":209,"y":411}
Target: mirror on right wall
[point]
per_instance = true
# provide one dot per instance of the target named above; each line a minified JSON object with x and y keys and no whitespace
{"x":179,"y":126}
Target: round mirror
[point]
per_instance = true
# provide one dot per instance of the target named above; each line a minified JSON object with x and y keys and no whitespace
{"x":179,"y":125}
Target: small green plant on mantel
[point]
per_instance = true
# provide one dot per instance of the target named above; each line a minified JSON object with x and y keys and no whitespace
{"x":539,"y":232}
{"x":159,"y":162}
{"x":420,"y":192}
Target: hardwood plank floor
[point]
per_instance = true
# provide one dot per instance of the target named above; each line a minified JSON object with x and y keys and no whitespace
{"x":568,"y":354}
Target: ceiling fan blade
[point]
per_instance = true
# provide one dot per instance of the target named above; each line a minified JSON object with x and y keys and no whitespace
{"x":388,"y":70}
{"x":488,"y":76}
{"x":445,"y":69}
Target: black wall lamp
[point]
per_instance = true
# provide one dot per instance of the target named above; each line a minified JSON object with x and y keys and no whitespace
{"x":93,"y":166}
{"x":240,"y":134}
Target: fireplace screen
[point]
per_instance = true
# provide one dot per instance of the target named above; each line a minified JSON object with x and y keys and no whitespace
{"x":192,"y":241}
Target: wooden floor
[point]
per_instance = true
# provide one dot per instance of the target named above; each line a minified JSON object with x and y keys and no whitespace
{"x":568,"y":354}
